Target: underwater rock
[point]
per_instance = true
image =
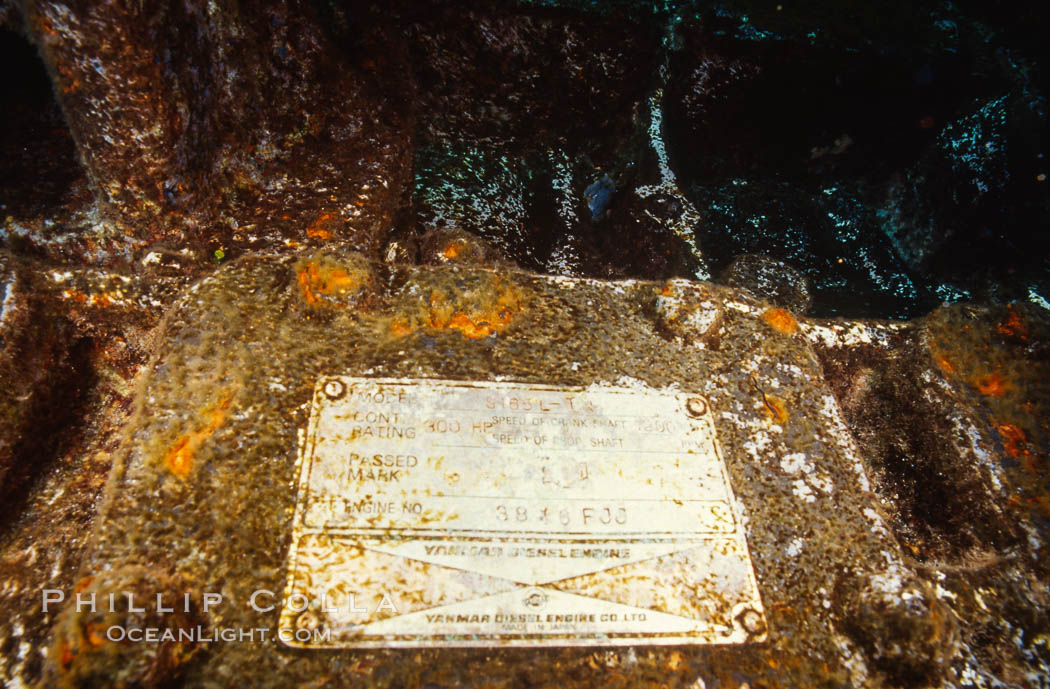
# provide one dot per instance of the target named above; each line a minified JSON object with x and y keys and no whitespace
{"x":215,"y":126}
{"x":34,"y":344}
{"x":905,"y":629}
{"x":770,"y":279}
{"x":442,"y":246}
{"x":945,"y":411}
{"x":959,"y":215}
{"x":483,"y":192}
{"x":541,"y":188}
{"x":490,"y":76}
{"x":922,"y":163}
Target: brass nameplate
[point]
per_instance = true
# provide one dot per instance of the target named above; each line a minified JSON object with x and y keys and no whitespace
{"x":445,"y":513}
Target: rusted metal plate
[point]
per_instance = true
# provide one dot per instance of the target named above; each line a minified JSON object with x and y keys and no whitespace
{"x":444,"y":513}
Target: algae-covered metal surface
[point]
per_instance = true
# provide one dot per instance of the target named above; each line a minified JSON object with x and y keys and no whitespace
{"x":202,"y":497}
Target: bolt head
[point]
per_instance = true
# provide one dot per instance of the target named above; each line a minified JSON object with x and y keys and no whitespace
{"x":696,"y":406}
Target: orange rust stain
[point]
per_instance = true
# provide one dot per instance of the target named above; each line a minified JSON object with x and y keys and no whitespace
{"x":69,"y":81}
{"x":453,"y":250}
{"x":400,"y":328}
{"x":325,"y":280}
{"x":465,"y":325}
{"x":780,"y":320}
{"x":44,"y":24}
{"x":775,"y":409}
{"x":65,"y":655}
{"x":1014,"y":438}
{"x":674,"y":661}
{"x":945,"y":365}
{"x":1013,"y":325}
{"x":320,"y":227}
{"x":93,"y":636}
{"x":100,"y":299}
{"x":486,"y":316}
{"x":915,"y":549}
{"x":475,"y":323}
{"x":992,"y":385}
{"x":217,"y":414}
{"x":180,"y":456}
